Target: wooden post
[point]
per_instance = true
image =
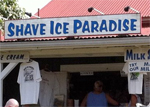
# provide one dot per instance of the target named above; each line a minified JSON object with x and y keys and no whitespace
{"x":1,"y":86}
{"x":8,"y":69}
{"x":3,"y":74}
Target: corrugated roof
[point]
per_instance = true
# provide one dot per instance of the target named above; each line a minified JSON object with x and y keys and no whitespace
{"x":63,"y":8}
{"x":74,"y":38}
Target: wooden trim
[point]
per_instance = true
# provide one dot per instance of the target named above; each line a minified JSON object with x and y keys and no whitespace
{"x":39,"y":45}
{"x":92,"y":67}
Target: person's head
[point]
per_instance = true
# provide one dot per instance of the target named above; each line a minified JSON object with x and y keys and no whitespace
{"x":12,"y":103}
{"x":98,"y":86}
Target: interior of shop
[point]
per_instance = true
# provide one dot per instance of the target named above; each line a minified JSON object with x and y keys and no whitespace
{"x":114,"y":85}
{"x":76,"y":85}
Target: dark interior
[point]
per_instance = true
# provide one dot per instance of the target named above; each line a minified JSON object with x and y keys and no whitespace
{"x":114,"y":84}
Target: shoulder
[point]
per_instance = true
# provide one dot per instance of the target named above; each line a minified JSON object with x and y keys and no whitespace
{"x":138,"y":98}
{"x":137,"y":95}
{"x":134,"y":96}
{"x":34,"y":62}
{"x":89,"y":93}
{"x":106,"y":94}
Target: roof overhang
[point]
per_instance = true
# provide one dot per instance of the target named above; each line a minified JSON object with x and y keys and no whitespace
{"x":108,"y":42}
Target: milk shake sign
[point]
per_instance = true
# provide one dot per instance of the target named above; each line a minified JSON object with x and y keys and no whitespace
{"x":73,"y":26}
{"x":138,"y":60}
{"x":137,"y":55}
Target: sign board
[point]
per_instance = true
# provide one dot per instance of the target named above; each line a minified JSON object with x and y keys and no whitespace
{"x":73,"y":26}
{"x":14,"y":57}
{"x":137,"y":55}
{"x":143,"y":66}
{"x":86,"y":73}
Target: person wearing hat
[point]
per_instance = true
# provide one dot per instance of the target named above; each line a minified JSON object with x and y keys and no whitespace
{"x":97,"y":98}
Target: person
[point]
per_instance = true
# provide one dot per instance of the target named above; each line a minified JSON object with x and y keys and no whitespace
{"x":134,"y":99}
{"x":12,"y":103}
{"x":98,"y":98}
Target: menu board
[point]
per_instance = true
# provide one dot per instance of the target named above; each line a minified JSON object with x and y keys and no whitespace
{"x":147,"y":88}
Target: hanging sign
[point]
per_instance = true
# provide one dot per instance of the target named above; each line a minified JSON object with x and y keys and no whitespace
{"x":86,"y":73}
{"x":14,"y":57}
{"x":143,"y":66}
{"x":73,"y":26}
{"x":137,"y":54}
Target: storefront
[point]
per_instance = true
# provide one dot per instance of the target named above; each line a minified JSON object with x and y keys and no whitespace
{"x":76,"y":61}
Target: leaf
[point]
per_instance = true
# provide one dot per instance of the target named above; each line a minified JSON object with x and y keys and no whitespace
{"x":11,"y":10}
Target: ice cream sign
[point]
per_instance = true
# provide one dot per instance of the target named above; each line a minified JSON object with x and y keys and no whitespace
{"x":14,"y":57}
{"x":73,"y":26}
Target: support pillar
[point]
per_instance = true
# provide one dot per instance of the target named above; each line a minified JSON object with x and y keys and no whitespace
{"x":3,"y":73}
{"x":1,"y":86}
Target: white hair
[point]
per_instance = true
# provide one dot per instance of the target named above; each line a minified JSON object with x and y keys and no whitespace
{"x":12,"y":103}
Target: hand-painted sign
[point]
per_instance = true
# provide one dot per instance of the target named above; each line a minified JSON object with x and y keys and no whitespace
{"x":14,"y":57}
{"x":137,"y":55}
{"x":73,"y":26}
{"x":143,"y":66}
{"x":86,"y":73}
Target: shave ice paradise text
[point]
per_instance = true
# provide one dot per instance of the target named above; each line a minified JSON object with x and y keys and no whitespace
{"x":73,"y":26}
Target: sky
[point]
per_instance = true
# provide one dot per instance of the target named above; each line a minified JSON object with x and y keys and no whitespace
{"x":32,"y":5}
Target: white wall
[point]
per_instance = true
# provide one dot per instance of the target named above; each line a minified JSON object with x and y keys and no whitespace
{"x":62,"y":79}
{"x":92,"y":67}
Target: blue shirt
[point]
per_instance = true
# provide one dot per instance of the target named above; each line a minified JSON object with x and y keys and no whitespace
{"x":96,"y":100}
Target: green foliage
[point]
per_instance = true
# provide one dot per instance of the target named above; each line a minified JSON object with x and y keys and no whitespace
{"x":10,"y":10}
